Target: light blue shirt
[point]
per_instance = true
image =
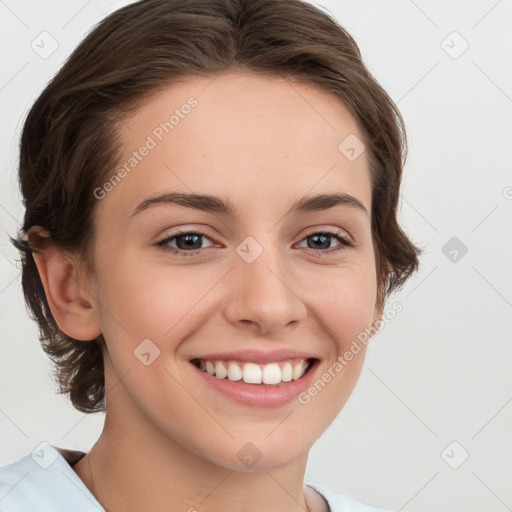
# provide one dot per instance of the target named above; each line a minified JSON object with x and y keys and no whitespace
{"x":43,"y":481}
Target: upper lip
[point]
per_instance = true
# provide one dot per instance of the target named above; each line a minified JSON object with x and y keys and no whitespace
{"x":256,"y":356}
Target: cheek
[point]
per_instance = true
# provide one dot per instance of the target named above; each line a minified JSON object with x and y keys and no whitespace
{"x":344,"y":301}
{"x":150,"y":297}
{"x":343,"y":304}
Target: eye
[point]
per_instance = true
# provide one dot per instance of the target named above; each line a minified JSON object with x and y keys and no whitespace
{"x":321,"y":242}
{"x":188,"y":243}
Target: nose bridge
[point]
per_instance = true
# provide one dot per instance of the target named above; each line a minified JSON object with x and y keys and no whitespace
{"x":263,"y":292}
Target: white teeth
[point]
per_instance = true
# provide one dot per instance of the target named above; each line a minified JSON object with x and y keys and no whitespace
{"x":234,"y":372}
{"x":286,"y":372}
{"x":271,"y":374}
{"x":252,"y":373}
{"x":210,"y":368}
{"x":220,"y":370}
{"x":298,"y":370}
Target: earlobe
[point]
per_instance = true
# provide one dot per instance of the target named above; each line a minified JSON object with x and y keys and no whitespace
{"x":72,"y":306}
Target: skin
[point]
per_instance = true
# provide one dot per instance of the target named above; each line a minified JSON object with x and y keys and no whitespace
{"x":263,"y":143}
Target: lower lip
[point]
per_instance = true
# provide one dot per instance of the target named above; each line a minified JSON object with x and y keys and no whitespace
{"x":260,"y":395}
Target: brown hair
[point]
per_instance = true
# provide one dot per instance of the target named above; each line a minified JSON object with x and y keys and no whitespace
{"x":69,"y":142}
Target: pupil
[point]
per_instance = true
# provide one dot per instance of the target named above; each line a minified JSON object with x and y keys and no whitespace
{"x":324,"y":237}
{"x":189,"y":244}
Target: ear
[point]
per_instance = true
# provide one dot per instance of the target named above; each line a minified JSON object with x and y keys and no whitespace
{"x":71,"y":304}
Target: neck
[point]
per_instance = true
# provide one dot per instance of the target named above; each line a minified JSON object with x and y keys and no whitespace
{"x":135,"y":466}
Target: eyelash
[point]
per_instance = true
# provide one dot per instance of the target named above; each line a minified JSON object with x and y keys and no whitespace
{"x":344,"y":243}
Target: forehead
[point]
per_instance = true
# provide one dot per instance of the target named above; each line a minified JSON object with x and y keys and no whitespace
{"x":240,"y":135}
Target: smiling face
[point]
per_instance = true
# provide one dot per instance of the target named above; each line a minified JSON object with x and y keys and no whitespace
{"x":256,"y":275}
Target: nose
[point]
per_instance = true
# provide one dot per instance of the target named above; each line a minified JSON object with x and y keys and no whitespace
{"x":261,"y":296}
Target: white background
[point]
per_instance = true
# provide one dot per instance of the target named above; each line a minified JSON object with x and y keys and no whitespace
{"x":440,"y":370}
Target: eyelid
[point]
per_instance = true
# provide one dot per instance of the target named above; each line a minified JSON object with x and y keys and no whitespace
{"x":330,"y":231}
{"x":191,"y":229}
{"x":202,"y":233}
{"x":345,"y":241}
{"x":203,"y":230}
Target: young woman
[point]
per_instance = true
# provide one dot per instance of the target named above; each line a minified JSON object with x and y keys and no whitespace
{"x":211,"y":193}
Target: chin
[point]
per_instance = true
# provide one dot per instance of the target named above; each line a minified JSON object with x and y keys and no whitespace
{"x":255,"y":456}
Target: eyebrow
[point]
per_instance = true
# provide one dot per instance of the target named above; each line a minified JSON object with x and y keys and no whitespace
{"x":209,"y":203}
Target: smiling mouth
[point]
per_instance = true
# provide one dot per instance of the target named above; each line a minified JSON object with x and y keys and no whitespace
{"x":271,"y":374}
